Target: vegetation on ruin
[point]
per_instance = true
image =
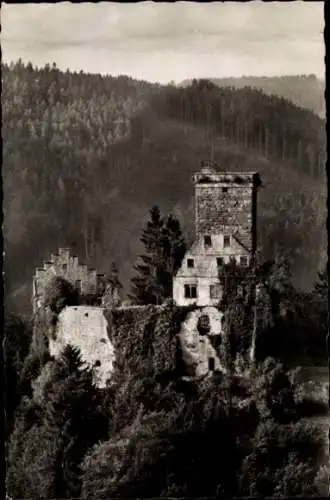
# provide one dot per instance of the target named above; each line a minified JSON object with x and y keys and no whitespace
{"x":152,"y":432}
{"x":59,"y":293}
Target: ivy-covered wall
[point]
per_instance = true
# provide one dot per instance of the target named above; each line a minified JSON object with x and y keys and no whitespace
{"x":146,"y":339}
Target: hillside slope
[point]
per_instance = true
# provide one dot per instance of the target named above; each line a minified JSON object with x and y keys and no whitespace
{"x":85,"y":157}
{"x":304,"y":91}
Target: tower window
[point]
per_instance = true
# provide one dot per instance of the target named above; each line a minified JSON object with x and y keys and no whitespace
{"x":211,"y":364}
{"x":190,"y":291}
{"x":225,"y":190}
{"x":226,"y":241}
{"x":219,"y":261}
{"x":203,"y":325}
{"x":243,"y":261}
{"x":207,"y":241}
{"x":65,"y":267}
{"x":190,"y":263}
{"x":78,"y":285}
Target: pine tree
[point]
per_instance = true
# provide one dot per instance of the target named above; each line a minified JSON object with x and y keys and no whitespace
{"x":44,"y":457}
{"x":174,"y":250}
{"x":165,"y":249}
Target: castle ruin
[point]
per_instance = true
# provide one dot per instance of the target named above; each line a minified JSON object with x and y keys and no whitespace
{"x":64,"y":265}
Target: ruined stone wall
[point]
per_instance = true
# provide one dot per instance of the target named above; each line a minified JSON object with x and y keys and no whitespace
{"x":132,"y":339}
{"x":198,"y":350}
{"x":85,"y":327}
{"x":68,"y":267}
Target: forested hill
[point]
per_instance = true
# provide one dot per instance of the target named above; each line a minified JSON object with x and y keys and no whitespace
{"x":85,"y":157}
{"x":305,"y":91}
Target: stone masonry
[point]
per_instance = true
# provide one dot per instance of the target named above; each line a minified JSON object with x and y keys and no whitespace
{"x":225,"y":228}
{"x":67,"y":266}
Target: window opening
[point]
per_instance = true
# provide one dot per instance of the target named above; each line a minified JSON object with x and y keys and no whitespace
{"x":207,"y":241}
{"x":226,"y":241}
{"x":211,"y":364}
{"x":190,"y":291}
{"x":203,"y":325}
{"x":78,"y":285}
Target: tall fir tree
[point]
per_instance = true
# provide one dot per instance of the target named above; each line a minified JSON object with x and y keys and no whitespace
{"x":164,"y":251}
{"x":174,"y":250}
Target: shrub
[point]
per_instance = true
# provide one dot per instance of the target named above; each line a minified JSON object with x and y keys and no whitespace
{"x":59,"y":293}
{"x":284,"y":460}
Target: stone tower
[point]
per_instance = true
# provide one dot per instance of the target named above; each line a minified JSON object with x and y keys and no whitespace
{"x":226,"y":231}
{"x":226,"y":202}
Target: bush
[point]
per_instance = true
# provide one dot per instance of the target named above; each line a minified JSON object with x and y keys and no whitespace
{"x":60,"y":293}
{"x":273,"y":391}
{"x":284,"y":460}
{"x":171,"y":447}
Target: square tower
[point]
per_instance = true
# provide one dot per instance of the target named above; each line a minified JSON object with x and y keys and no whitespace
{"x":226,"y":203}
{"x":225,"y":218}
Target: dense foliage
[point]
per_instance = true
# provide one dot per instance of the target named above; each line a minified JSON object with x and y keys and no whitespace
{"x":257,"y":123}
{"x":152,"y":432}
{"x":85,"y":156}
{"x":45,"y":451}
{"x":305,"y":91}
{"x":264,"y":313}
{"x":59,"y":293}
{"x":16,"y":343}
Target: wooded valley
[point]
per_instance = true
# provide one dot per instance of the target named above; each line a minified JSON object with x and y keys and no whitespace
{"x":86,"y":156}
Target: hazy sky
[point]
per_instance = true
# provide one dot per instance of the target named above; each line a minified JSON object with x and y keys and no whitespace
{"x":168,"y":41}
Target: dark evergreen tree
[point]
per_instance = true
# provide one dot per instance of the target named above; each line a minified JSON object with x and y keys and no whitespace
{"x":47,"y":456}
{"x":165,"y":248}
{"x":174,"y":250}
{"x":17,"y":339}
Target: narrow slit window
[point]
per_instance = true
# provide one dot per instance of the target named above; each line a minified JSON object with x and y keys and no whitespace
{"x":78,"y":285}
{"x":219,"y":261}
{"x":226,"y":241}
{"x":207,"y":241}
{"x":211,"y":364}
